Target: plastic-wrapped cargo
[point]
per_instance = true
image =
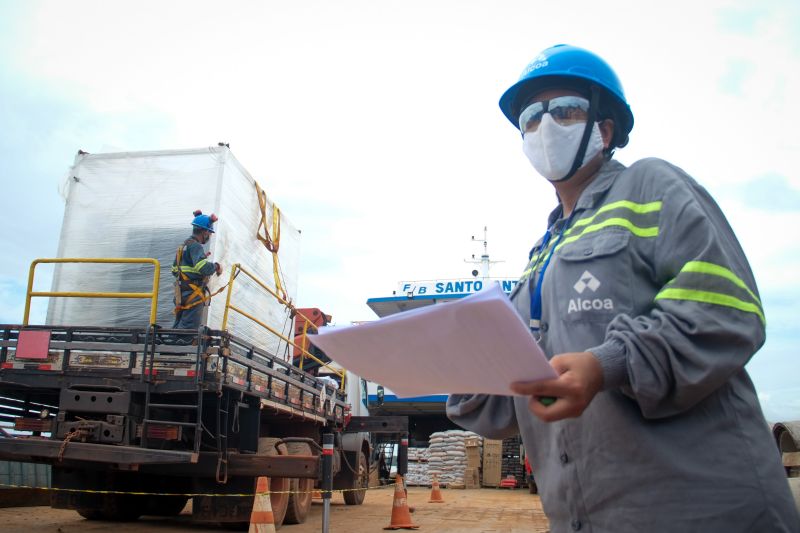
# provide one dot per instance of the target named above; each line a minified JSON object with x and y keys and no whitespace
{"x":140,"y":204}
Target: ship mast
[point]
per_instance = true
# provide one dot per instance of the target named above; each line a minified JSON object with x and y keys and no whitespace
{"x":484,"y":261}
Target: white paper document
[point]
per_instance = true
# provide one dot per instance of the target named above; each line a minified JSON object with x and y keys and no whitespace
{"x":478,"y":344}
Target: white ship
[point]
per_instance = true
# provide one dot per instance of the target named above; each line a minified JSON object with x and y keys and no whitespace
{"x":427,"y":413}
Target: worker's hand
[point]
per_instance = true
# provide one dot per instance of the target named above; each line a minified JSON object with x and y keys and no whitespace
{"x":218,"y":268}
{"x":580,"y":377}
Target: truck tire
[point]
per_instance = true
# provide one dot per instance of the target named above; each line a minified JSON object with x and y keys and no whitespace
{"x":166,"y":505}
{"x":358,"y":490}
{"x":90,"y":514}
{"x":301,"y":491}
{"x":279,"y":487}
{"x":114,"y":508}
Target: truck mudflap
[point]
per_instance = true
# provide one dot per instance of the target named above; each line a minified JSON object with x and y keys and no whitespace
{"x":38,"y":450}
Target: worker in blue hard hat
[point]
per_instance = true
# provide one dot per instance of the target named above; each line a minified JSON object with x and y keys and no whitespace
{"x":191,"y":269}
{"x":643,"y":300}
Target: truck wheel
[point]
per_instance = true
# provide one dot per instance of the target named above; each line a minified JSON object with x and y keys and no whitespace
{"x":301,"y":491}
{"x":360,"y":481}
{"x":279,"y":487}
{"x":166,"y":505}
{"x":115,"y":508}
{"x":90,"y":514}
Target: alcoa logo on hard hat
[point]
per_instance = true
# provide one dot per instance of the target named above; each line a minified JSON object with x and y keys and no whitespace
{"x":538,"y":62}
{"x":588,"y":281}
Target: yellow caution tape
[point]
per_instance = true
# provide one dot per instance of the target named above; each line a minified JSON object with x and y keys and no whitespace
{"x":189,"y":495}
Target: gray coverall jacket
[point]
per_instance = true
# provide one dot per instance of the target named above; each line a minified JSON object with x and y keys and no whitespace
{"x":651,"y":279}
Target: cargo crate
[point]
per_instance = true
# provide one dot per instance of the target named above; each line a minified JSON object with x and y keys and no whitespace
{"x":118,"y":205}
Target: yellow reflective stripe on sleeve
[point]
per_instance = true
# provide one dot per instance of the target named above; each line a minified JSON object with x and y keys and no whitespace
{"x":621,"y":222}
{"x":622,"y":204}
{"x":711,"y":298}
{"x":703,"y":267}
{"x":189,"y":269}
{"x":200,"y":264}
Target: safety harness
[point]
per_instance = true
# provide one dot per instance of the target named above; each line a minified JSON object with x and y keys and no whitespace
{"x":200,"y":293}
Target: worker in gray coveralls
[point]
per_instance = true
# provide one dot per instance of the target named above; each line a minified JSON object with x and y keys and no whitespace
{"x":648,"y":312}
{"x":191,"y":269}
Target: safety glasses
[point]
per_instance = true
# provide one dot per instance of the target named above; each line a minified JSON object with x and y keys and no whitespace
{"x":565,"y":110}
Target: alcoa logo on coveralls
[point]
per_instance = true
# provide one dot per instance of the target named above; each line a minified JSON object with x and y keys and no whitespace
{"x":588,"y":281}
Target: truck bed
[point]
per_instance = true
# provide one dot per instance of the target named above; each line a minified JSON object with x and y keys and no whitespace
{"x":135,"y":386}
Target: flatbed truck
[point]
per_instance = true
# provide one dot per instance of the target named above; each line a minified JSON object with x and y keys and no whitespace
{"x":135,"y":421}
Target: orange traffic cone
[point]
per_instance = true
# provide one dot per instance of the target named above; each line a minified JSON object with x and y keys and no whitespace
{"x":261,"y":519}
{"x":401,"y":518}
{"x":436,"y":494}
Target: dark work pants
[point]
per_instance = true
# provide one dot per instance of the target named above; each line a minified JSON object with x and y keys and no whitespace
{"x":188,"y":318}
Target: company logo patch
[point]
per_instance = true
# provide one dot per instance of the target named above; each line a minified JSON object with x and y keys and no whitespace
{"x":587,"y":280}
{"x":539,"y":62}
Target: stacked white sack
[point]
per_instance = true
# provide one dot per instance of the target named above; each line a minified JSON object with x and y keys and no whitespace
{"x":447,"y":456}
{"x":417,"y":467}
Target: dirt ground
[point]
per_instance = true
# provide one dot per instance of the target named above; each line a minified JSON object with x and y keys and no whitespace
{"x":464,"y":511}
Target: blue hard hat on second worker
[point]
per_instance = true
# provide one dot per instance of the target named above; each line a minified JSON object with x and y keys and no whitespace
{"x":569,"y":67}
{"x":205,"y":222}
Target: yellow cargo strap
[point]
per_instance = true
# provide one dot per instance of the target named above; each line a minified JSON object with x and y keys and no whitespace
{"x":271,"y":242}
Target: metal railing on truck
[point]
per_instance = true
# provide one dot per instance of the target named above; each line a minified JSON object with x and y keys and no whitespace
{"x":235,"y":271}
{"x":293,"y":385}
{"x":152,"y":295}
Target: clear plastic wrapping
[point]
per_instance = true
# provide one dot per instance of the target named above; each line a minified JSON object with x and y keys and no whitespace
{"x":140,"y":205}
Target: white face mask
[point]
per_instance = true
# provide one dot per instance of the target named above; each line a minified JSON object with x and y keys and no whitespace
{"x":552,"y":147}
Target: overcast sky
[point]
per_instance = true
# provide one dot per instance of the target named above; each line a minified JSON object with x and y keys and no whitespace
{"x":374,"y":126}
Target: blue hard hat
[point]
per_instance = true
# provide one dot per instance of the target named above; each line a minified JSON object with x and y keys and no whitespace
{"x":205,"y":222}
{"x":569,"y":67}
